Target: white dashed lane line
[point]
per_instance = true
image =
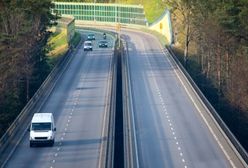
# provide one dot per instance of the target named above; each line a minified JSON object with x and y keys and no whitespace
{"x":76,"y":101}
{"x":173,"y":132}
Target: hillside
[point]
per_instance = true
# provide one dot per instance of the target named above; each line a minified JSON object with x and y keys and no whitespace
{"x":153,"y":8}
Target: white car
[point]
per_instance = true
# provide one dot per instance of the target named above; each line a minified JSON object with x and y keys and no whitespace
{"x":88,"y":46}
{"x":42,"y":129}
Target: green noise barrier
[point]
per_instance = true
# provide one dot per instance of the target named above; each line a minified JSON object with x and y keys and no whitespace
{"x":101,"y":12}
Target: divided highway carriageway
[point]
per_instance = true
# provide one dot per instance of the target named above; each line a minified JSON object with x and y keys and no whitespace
{"x":165,"y":124}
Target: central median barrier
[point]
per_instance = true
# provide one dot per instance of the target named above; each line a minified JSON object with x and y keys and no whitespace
{"x":131,"y":159}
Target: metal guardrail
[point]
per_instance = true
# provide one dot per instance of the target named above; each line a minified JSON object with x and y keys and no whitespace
{"x":108,"y":148}
{"x":234,"y":142}
{"x":111,"y":125}
{"x":17,"y":130}
{"x":131,"y":159}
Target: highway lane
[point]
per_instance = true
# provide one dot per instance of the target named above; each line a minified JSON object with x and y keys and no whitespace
{"x":170,"y":131}
{"x":79,"y":103}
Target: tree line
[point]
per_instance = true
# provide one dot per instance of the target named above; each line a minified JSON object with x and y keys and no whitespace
{"x":23,"y":48}
{"x":214,"y":37}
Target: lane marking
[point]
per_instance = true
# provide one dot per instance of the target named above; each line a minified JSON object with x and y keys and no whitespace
{"x":198,"y":109}
{"x":170,"y":124}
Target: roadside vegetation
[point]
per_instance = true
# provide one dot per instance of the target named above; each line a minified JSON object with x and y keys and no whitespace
{"x":59,"y":45}
{"x":23,"y":54}
{"x":211,"y":40}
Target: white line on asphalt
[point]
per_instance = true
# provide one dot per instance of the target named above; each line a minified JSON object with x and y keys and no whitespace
{"x":198,"y":109}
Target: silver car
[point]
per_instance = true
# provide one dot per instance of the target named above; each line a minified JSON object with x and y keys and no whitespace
{"x":88,"y":46}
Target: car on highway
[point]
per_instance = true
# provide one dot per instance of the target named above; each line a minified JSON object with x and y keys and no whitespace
{"x":91,"y":37}
{"x":103,"y":44}
{"x":42,"y":129}
{"x":88,"y":46}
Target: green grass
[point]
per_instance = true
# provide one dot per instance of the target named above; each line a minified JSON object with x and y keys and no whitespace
{"x":162,"y":39}
{"x":153,"y":8}
{"x":57,"y":40}
{"x":76,"y":39}
{"x":59,"y":45}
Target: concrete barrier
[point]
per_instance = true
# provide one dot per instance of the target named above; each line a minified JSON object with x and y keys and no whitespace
{"x":131,"y":159}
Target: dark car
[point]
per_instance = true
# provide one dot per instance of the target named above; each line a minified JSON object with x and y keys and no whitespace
{"x":103,"y":44}
{"x":91,"y":37}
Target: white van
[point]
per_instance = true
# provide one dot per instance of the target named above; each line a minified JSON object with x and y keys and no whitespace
{"x":42,"y":129}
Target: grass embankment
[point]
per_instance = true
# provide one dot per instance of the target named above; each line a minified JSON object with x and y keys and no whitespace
{"x":153,"y":8}
{"x":59,"y":45}
{"x":162,"y":39}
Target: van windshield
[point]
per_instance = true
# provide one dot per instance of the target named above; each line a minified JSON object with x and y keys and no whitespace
{"x":41,"y":126}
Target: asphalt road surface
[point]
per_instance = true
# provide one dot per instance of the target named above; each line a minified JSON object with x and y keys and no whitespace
{"x":79,"y":103}
{"x":170,"y":131}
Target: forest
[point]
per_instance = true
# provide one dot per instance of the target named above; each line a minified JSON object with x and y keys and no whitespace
{"x":212,"y":39}
{"x":23,"y":61}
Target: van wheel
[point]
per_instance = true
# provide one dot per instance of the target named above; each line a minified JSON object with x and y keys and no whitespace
{"x":30,"y":144}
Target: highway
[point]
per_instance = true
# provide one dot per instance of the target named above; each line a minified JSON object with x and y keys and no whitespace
{"x":79,"y":103}
{"x":170,"y":131}
{"x":169,"y":127}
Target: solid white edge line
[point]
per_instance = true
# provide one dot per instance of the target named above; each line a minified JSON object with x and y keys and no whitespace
{"x":198,"y":109}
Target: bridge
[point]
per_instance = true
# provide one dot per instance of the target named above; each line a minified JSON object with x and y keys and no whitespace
{"x":167,"y":122}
